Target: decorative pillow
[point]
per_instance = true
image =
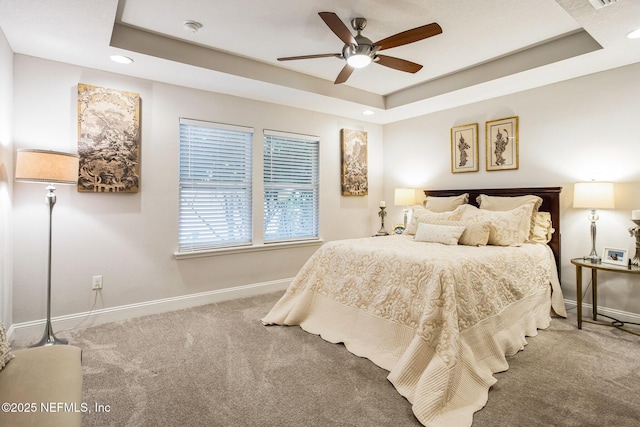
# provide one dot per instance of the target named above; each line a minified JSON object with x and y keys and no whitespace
{"x":543,"y":229}
{"x":445,"y":204}
{"x":5,"y":349}
{"x":445,"y":234}
{"x":474,"y":234}
{"x":508,"y":228}
{"x":507,"y":203}
{"x":421,"y":214}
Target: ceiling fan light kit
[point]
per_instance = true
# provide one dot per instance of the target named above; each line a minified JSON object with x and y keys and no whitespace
{"x":359,"y":51}
{"x":357,"y":56}
{"x":359,"y":60}
{"x":360,"y":54}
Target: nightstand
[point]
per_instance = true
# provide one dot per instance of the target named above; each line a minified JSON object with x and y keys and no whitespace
{"x":581,"y":263}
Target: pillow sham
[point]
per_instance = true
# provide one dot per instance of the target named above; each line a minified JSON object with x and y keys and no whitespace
{"x":543,"y":229}
{"x":421,"y":214}
{"x":474,"y":234}
{"x":507,"y":203}
{"x":5,"y":350}
{"x":433,"y":233}
{"x":445,"y":204}
{"x":508,"y":228}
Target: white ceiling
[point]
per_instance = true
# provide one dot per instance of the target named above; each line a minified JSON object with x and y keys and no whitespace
{"x":488,"y":48}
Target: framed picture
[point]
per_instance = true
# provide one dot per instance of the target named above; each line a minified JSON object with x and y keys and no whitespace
{"x":354,"y":163}
{"x":502,"y":144}
{"x":615,"y":256}
{"x":464,"y":148}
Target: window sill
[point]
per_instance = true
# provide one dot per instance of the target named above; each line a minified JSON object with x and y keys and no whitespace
{"x":247,"y":249}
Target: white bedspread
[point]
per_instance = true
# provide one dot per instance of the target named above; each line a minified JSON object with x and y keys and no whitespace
{"x":440,"y":318}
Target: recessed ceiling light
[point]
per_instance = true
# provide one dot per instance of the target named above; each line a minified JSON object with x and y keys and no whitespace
{"x":635,"y":34}
{"x":121,"y":59}
{"x":368,"y":112}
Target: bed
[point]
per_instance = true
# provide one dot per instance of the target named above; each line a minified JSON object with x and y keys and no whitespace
{"x":439,"y":317}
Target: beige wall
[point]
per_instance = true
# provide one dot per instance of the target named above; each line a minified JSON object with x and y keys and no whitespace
{"x":572,"y":131}
{"x":130,"y":239}
{"x":6,"y":172}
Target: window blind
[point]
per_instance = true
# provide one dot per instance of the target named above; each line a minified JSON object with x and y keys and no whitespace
{"x":291,"y":186}
{"x":215,"y":185}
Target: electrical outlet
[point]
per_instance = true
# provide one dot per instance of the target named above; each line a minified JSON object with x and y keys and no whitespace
{"x":96,"y":283}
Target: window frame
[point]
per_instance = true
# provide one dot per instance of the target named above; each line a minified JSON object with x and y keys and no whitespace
{"x":278,"y":185}
{"x":238,"y":176}
{"x":257,"y":243}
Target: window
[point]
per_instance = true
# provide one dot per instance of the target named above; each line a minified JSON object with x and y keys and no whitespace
{"x":215,"y":186}
{"x":291,"y":187}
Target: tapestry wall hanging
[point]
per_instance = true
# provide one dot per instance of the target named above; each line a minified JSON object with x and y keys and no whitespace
{"x":108,"y":140}
{"x":354,"y":163}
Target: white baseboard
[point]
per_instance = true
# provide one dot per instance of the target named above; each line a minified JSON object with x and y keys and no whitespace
{"x":624,"y":316}
{"x":32,"y":330}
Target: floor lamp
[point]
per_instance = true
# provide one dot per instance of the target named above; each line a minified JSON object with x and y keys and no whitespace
{"x":50,"y":167}
{"x":593,"y":195}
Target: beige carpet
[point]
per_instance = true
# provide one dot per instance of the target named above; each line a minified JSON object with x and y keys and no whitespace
{"x":217,"y":365}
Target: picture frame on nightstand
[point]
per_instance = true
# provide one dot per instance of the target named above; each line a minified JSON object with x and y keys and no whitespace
{"x":615,"y":256}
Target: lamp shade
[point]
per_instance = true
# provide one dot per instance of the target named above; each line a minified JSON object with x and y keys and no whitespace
{"x":593,"y":195}
{"x":46,"y":166}
{"x":404,"y":197}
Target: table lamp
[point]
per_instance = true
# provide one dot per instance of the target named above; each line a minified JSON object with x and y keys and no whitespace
{"x":404,"y":197}
{"x":593,"y":195}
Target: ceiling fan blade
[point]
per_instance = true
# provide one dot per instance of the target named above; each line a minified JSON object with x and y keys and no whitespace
{"x":344,"y":74}
{"x":410,"y":36}
{"x":322,"y":55}
{"x":336,"y":25}
{"x":398,"y":64}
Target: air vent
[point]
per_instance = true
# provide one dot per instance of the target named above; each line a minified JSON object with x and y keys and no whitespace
{"x":599,"y":4}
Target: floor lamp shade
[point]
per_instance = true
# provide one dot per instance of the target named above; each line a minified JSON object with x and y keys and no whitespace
{"x":50,"y":167}
{"x":46,"y":166}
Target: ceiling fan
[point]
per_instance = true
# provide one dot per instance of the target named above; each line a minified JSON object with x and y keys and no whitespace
{"x":359,"y":51}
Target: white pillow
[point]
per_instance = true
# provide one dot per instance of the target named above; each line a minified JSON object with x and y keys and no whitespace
{"x":445,"y":234}
{"x":508,"y":228}
{"x":474,"y":234}
{"x":445,"y":204}
{"x":421,"y":214}
{"x":507,"y":203}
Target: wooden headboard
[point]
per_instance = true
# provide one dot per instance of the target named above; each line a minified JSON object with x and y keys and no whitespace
{"x":550,"y":203}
